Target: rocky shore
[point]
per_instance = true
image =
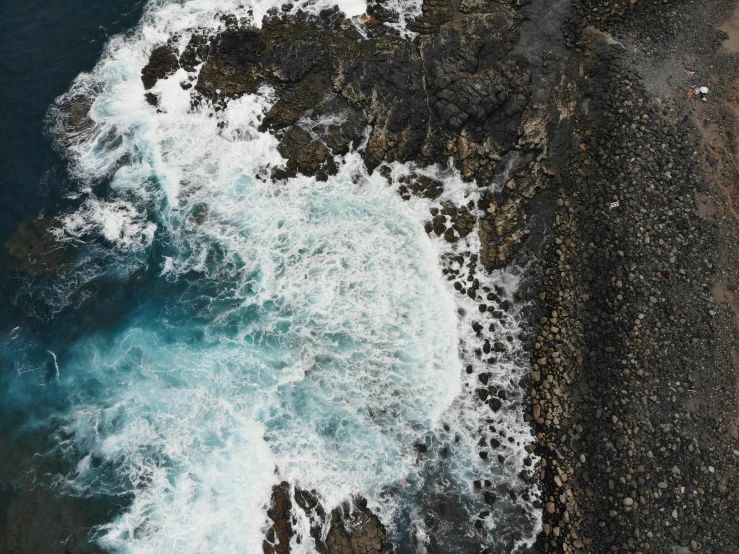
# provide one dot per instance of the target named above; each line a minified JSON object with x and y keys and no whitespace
{"x":615,"y":190}
{"x":634,"y":396}
{"x":633,"y":388}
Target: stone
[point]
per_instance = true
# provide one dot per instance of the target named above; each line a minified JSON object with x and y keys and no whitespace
{"x":163,"y":62}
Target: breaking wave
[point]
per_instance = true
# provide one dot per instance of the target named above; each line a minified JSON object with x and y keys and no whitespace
{"x":300,"y":331}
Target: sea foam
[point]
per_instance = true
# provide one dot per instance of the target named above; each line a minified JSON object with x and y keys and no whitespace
{"x":299,"y":331}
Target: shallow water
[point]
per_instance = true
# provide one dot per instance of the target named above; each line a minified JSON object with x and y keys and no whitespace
{"x":218,"y":333}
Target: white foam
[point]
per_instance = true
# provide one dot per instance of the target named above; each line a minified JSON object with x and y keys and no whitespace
{"x":331,"y":346}
{"x":56,"y":363}
{"x":469,"y":416}
{"x":360,"y":362}
{"x":117,"y":221}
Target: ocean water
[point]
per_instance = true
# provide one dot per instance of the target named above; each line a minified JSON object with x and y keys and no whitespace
{"x":217,"y":333}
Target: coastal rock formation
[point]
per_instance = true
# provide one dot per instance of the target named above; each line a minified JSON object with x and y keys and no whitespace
{"x":350,"y":528}
{"x":163,"y":62}
{"x":451,"y":93}
{"x":595,"y":174}
{"x":456,"y":95}
{"x":278,"y":537}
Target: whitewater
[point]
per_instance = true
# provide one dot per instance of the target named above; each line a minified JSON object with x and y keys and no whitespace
{"x":297,"y":331}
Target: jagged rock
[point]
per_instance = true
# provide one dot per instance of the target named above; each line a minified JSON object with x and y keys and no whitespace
{"x":463,"y":222}
{"x":163,"y":62}
{"x":278,"y":536}
{"x":434,"y":14}
{"x":355,"y":530}
{"x":305,"y":155}
{"x":420,"y":185}
{"x":352,"y":527}
{"x":450,"y":94}
{"x":195,"y":53}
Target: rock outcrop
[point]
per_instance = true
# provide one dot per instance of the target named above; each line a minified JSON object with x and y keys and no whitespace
{"x":455,"y":95}
{"x":351,"y":528}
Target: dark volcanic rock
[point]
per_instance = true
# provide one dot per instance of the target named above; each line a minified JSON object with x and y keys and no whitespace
{"x":355,"y":530}
{"x":231,"y":67}
{"x":278,"y":536}
{"x":352,"y":527}
{"x":35,"y":250}
{"x":420,"y":185}
{"x":450,"y":94}
{"x":299,"y":57}
{"x":462,"y":222}
{"x":305,"y":155}
{"x":435,"y":13}
{"x":195,"y":53}
{"x":163,"y":62}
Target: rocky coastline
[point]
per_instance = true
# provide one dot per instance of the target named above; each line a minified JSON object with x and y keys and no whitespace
{"x":633,"y":394}
{"x":617,"y":193}
{"x":634,"y":383}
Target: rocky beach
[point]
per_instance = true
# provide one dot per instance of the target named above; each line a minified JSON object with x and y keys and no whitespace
{"x":582,"y":194}
{"x":633,"y":393}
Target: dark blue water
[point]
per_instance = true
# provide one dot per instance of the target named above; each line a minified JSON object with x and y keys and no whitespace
{"x":44,"y":45}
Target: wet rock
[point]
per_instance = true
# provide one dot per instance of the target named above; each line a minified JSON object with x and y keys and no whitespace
{"x":152,"y":99}
{"x":353,"y":528}
{"x":195,"y":53}
{"x":163,"y":62}
{"x":278,"y":536}
{"x":232,"y":68}
{"x":304,"y":155}
{"x":420,"y":185}
{"x":454,"y":94}
{"x":434,"y":14}
{"x":77,"y":116}
{"x":35,"y":249}
{"x":462,"y":221}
